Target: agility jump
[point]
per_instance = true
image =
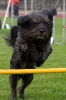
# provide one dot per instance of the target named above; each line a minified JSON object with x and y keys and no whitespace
{"x":33,"y":71}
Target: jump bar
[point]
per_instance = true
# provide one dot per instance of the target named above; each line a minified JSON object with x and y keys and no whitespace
{"x":33,"y":71}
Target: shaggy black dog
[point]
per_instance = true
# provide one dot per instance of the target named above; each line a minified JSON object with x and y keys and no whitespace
{"x":31,"y":42}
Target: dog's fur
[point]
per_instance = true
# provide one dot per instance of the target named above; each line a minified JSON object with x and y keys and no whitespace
{"x":31,"y":42}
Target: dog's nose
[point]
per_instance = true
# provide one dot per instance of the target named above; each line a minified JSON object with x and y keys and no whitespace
{"x":41,"y":31}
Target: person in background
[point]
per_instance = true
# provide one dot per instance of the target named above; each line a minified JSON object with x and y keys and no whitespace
{"x":15,"y":5}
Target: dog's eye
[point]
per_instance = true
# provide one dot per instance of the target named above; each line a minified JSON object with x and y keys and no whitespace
{"x":26,"y":24}
{"x":45,"y":23}
{"x":36,"y":23}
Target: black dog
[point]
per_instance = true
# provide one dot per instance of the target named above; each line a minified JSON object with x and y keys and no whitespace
{"x":31,"y":42}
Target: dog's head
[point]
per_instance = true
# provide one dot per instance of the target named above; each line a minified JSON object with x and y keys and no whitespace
{"x":37,"y":25}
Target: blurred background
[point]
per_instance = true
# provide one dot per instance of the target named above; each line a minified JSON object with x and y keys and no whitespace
{"x":37,"y":4}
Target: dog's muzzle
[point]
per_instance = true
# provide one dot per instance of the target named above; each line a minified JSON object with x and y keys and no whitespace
{"x":41,"y":31}
{"x":41,"y":34}
{"x":40,"y":37}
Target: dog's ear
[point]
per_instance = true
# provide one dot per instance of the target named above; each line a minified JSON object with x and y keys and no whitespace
{"x":50,"y":12}
{"x":24,"y":21}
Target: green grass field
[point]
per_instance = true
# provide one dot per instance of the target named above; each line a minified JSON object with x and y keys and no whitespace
{"x":44,"y":86}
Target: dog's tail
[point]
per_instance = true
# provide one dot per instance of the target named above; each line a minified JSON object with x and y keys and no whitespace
{"x":11,"y":38}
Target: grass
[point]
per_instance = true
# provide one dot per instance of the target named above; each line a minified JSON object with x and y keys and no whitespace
{"x":59,"y":30}
{"x":44,"y":86}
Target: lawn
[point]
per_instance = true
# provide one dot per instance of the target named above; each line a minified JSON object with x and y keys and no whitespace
{"x":44,"y":86}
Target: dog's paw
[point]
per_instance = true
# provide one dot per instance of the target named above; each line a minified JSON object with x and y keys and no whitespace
{"x":49,"y":51}
{"x":23,"y":48}
{"x":13,"y":98}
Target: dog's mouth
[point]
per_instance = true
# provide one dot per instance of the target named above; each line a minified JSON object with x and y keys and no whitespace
{"x":42,"y":37}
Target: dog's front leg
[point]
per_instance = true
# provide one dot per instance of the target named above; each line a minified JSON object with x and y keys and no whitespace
{"x":44,"y":55}
{"x":23,"y":48}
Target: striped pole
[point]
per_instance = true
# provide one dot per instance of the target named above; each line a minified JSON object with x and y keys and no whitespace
{"x":33,"y":71}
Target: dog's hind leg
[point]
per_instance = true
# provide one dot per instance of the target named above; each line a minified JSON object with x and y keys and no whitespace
{"x":13,"y":82}
{"x":26,"y":80}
